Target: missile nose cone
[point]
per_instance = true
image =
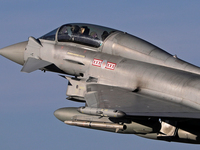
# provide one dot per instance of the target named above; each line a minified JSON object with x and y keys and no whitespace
{"x":60,"y":114}
{"x":15,"y":52}
{"x":64,"y":114}
{"x":57,"y":114}
{"x":121,"y":114}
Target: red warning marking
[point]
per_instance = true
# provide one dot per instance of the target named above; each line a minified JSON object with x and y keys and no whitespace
{"x":97,"y":62}
{"x":104,"y":64}
{"x":110,"y":66}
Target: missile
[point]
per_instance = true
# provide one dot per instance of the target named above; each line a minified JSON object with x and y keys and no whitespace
{"x":90,"y":124}
{"x":101,"y":112}
{"x":71,"y":116}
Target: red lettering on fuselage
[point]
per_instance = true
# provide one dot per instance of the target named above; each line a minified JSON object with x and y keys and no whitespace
{"x":98,"y":63}
{"x":110,"y":66}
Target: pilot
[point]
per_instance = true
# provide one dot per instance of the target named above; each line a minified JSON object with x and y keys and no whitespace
{"x":75,"y":29}
{"x":84,"y":30}
{"x":81,"y":30}
{"x":94,"y":35}
{"x":104,"y":35}
{"x":63,"y":35}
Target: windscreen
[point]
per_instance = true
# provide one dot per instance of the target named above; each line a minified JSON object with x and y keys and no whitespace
{"x":50,"y":36}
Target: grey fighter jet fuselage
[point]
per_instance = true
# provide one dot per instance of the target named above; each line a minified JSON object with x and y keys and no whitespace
{"x":127,"y":84}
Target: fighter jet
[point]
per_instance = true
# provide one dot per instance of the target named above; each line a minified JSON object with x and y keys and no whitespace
{"x":124,"y":84}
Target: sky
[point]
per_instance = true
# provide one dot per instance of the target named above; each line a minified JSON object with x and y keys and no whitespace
{"x":27,"y":101}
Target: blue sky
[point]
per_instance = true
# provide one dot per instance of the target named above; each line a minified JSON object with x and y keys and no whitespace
{"x":27,"y":101}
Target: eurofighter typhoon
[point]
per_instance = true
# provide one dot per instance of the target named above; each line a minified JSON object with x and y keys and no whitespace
{"x":123,"y":83}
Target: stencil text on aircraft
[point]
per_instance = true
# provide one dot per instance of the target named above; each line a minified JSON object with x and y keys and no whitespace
{"x":104,"y":64}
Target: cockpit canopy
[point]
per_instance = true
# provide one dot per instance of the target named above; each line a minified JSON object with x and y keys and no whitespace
{"x":86,"y":34}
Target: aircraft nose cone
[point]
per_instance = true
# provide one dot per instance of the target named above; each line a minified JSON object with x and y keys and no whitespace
{"x":15,"y":52}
